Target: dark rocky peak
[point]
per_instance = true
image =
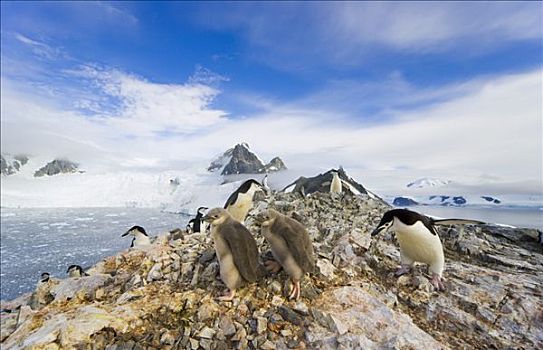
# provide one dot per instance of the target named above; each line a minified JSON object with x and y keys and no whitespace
{"x":321,"y":183}
{"x":10,"y":165}
{"x":241,"y":160}
{"x":276,"y":164}
{"x":57,"y":166}
{"x":403,"y":202}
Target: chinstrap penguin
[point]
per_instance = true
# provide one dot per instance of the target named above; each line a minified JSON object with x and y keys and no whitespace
{"x":140,"y":236}
{"x":419,"y":241}
{"x":290,"y":245}
{"x":197,"y":222}
{"x":236,"y":251}
{"x":76,"y":271}
{"x":265,"y":185}
{"x":241,"y":201}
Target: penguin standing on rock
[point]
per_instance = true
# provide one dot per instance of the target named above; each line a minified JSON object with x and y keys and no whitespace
{"x":140,"y":236}
{"x":290,"y":245}
{"x":197,"y":223}
{"x":419,"y":241}
{"x":335,"y":185}
{"x":241,"y":201}
{"x":236,"y":250}
{"x":76,"y":271}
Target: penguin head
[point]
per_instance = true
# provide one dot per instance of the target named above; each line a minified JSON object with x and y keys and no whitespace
{"x":75,"y":271}
{"x":202,"y":210}
{"x":386,"y":222}
{"x":134,"y":230}
{"x":268,"y":217}
{"x":44,"y":277}
{"x":216,"y":216}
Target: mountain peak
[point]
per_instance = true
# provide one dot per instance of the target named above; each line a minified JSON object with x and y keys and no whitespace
{"x":241,"y":160}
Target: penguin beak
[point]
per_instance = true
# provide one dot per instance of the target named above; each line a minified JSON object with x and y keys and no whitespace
{"x":125,"y":234}
{"x":377,"y":231}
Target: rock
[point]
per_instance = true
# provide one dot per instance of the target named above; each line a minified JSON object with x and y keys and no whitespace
{"x":290,"y":316}
{"x":227,"y":326}
{"x":206,"y":256}
{"x":68,"y":288}
{"x":321,"y":183}
{"x":206,"y":333}
{"x":326,"y":268}
{"x":155,"y":273}
{"x":10,"y":165}
{"x":371,"y":319}
{"x":403,"y":202}
{"x":276,"y":164}
{"x":57,"y":166}
{"x":262,"y":325}
{"x":207,"y":311}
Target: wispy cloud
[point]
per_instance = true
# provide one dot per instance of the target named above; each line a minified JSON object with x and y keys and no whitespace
{"x":293,"y":34}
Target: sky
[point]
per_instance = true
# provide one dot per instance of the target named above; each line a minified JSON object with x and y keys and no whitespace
{"x":445,"y":87}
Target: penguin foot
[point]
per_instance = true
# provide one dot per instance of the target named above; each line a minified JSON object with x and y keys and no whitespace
{"x":228,"y":296}
{"x":437,"y":282}
{"x":272,"y":266}
{"x":402,"y":270}
{"x":295,"y":294}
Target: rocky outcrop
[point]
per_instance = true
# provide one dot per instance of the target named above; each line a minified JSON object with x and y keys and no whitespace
{"x":164,"y":297}
{"x":321,"y":183}
{"x":11,"y":165}
{"x":240,"y":160}
{"x":276,"y":164}
{"x":57,"y":166}
{"x":403,"y":202}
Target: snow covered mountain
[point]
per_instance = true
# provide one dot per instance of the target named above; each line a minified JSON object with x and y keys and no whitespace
{"x":10,"y":165}
{"x":241,"y":160}
{"x":428,"y":182}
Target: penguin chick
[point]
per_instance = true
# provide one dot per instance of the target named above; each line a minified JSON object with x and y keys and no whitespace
{"x":241,"y":201}
{"x":290,"y":245}
{"x":76,"y":271}
{"x":236,"y":251}
{"x":419,"y":241}
{"x":140,"y":236}
{"x":335,"y":185}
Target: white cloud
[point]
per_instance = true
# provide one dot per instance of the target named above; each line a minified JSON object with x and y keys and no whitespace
{"x":489,"y":126}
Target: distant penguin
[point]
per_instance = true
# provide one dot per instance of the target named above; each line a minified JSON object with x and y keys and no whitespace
{"x":291,"y":247}
{"x":236,"y":251}
{"x":197,"y":222}
{"x":189,"y":228}
{"x":265,"y":184}
{"x":335,"y":185}
{"x":140,"y":236}
{"x":419,"y":241}
{"x":76,"y":271}
{"x":241,"y":201}
{"x":44,"y":277}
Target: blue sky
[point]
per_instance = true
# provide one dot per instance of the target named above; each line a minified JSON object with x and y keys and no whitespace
{"x":213,"y":73}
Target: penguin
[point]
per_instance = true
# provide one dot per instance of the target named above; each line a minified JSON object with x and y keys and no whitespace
{"x":241,"y":201}
{"x":197,"y":221}
{"x":140,"y":236}
{"x":419,"y":241}
{"x":265,"y":184}
{"x":189,"y":228}
{"x":236,"y":251}
{"x":44,"y":278}
{"x":335,"y":185}
{"x":76,"y":271}
{"x":290,"y":245}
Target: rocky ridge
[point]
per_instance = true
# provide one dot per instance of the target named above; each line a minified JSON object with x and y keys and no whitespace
{"x":240,"y":160}
{"x":11,"y":165}
{"x":57,"y":166}
{"x":164,"y":297}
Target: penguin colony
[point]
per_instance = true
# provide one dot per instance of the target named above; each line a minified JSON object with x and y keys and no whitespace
{"x":290,"y":243}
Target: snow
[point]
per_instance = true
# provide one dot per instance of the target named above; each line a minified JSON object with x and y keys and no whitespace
{"x":428,"y":182}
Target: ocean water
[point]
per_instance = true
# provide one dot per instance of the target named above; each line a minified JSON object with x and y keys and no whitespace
{"x":525,"y":217}
{"x":33,"y":241}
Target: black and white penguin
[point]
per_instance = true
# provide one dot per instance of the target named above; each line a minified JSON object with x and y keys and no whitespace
{"x":140,"y":236}
{"x":241,"y":201}
{"x":44,"y":278}
{"x":419,"y":241}
{"x":336,"y":185}
{"x":197,"y":224}
{"x":76,"y":271}
{"x":265,"y":185}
